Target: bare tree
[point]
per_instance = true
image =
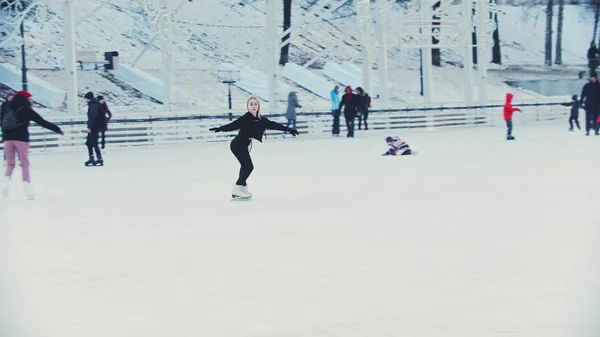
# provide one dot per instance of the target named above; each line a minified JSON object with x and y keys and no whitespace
{"x":595,"y":6}
{"x":436,"y":56}
{"x":287,"y":23}
{"x":496,"y":52}
{"x":549,"y":15}
{"x":559,"y":31}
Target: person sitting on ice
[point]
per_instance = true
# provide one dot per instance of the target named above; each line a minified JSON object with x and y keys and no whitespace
{"x":397,"y":147}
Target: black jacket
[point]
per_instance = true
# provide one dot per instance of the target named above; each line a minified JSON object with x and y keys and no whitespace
{"x":350,"y":103}
{"x":25,"y":114}
{"x":574,"y":107}
{"x":96,"y":119}
{"x":252,"y":127}
{"x":592,"y":53}
{"x":590,"y":95}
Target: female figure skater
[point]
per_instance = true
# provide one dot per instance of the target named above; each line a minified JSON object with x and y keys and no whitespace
{"x":251,"y":125}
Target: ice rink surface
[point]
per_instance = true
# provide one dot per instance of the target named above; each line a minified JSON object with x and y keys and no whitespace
{"x":474,"y":236}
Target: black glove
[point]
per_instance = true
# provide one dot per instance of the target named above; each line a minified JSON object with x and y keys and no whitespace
{"x":293,"y":132}
{"x":215,"y":129}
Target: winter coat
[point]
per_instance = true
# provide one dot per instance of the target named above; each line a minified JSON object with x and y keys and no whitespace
{"x":292,"y":105}
{"x":252,"y":127}
{"x":335,"y":100}
{"x":574,"y":108}
{"x":95,"y":115}
{"x":106,"y":116}
{"x":590,"y":96}
{"x":364,"y":103}
{"x":25,"y":114}
{"x":508,"y":108}
{"x":349,"y":102}
{"x":592,"y":53}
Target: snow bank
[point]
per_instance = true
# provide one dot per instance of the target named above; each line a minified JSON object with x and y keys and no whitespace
{"x":42,"y":91}
{"x":308,"y":80}
{"x":145,"y":83}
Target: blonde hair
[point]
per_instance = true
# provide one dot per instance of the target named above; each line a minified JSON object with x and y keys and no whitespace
{"x":257,"y":101}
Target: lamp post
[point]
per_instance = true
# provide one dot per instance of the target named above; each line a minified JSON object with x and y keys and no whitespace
{"x":12,"y":17}
{"x":230,"y":75}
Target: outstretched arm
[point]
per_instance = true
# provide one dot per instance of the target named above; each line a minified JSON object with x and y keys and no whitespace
{"x":280,"y":127}
{"x":567,"y":104}
{"x":235,"y":125}
{"x":34,"y":116}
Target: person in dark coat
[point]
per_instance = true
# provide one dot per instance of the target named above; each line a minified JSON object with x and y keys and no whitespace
{"x":349,"y":103}
{"x":4,"y":107}
{"x":107,"y":115}
{"x":590,"y":100}
{"x":593,"y":55}
{"x":252,"y":125}
{"x":15,"y":135}
{"x":574,"y":117}
{"x":364,"y":103}
{"x":95,"y":122}
{"x":290,"y":113}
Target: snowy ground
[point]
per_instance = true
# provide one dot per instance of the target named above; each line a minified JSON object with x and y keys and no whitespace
{"x":474,"y":236}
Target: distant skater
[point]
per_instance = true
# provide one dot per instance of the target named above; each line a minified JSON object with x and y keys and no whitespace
{"x":252,"y":125}
{"x":574,"y":117}
{"x":508,"y":115}
{"x":105,"y":116}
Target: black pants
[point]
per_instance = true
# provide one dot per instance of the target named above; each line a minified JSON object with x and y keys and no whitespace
{"x":590,"y":119}
{"x":363,"y":116}
{"x":239,"y":148}
{"x":350,"y":125}
{"x":103,"y":137}
{"x":574,"y":119}
{"x":336,"y":122}
{"x":509,"y":126}
{"x":92,"y":143}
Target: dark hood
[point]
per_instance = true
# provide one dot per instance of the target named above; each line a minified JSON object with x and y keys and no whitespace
{"x":20,"y":101}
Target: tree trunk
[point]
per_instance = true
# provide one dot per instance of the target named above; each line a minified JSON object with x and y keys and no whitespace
{"x":474,"y":39}
{"x":436,"y":57}
{"x":559,"y":30}
{"x":287,"y":23}
{"x":596,"y":18}
{"x":549,"y":15}
{"x":496,"y":52}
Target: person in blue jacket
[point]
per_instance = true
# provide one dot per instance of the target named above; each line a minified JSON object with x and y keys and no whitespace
{"x":335,"y":110}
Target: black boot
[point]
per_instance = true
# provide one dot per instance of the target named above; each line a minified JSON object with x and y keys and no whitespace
{"x":99,"y":162}
{"x":90,"y":161}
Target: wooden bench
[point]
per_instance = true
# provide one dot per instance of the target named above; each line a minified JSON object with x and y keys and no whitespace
{"x":88,"y":57}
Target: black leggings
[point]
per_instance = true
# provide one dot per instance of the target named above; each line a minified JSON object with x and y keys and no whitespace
{"x":239,"y":148}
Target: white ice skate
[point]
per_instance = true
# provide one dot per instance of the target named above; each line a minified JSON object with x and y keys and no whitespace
{"x":247,"y":191}
{"x":5,"y":187}
{"x":29,"y":193}
{"x":239,"y":193}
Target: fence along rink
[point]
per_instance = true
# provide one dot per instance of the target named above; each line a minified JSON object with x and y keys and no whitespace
{"x":137,"y":130}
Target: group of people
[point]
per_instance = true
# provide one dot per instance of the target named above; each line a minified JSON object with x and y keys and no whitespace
{"x":16,"y":113}
{"x":354,"y":104}
{"x":590,"y":102}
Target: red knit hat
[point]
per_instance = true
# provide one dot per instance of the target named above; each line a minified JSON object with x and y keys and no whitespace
{"x":24,"y":93}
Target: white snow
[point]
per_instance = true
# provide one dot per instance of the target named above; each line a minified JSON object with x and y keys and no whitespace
{"x":474,"y":236}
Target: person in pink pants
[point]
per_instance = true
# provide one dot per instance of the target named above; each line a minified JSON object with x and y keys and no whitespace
{"x":15,"y":134}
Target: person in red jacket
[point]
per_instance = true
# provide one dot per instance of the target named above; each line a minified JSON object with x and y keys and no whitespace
{"x":508,"y":114}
